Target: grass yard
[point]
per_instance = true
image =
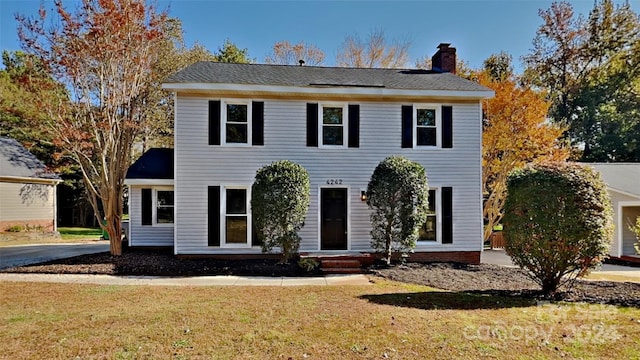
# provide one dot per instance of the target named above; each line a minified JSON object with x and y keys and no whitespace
{"x":385,"y":320}
{"x":80,"y":233}
{"x":67,"y":235}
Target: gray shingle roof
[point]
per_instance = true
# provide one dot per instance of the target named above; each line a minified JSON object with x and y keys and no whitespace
{"x":17,"y":161}
{"x":620,"y":176}
{"x":314,"y":76}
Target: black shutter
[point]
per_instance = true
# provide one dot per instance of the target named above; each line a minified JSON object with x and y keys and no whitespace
{"x":213,"y":214}
{"x":312,"y":125}
{"x":147,"y":210}
{"x":214,"y":122}
{"x":447,"y":215}
{"x":257,"y":123}
{"x":407,"y":126}
{"x":447,"y":127}
{"x":255,"y":238}
{"x":354,"y":126}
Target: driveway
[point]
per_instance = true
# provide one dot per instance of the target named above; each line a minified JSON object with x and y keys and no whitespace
{"x":608,"y":272}
{"x":11,"y":256}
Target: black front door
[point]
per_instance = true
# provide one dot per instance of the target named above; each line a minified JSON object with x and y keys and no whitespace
{"x":333,"y":219}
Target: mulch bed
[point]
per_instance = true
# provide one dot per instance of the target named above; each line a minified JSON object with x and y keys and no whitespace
{"x":504,"y":281}
{"x":483,"y":278}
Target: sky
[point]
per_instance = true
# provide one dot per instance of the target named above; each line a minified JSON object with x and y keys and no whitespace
{"x":476,"y":28}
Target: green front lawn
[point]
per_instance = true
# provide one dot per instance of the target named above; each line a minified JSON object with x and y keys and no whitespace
{"x":80,"y":233}
{"x":384,"y":320}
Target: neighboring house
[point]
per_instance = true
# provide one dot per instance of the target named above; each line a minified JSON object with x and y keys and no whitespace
{"x":27,"y":189}
{"x":339,"y":123}
{"x":623,"y":184}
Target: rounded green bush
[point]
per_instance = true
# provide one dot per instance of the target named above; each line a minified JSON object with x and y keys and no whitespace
{"x":279,"y":205}
{"x":558,"y":222}
{"x":397,"y":193}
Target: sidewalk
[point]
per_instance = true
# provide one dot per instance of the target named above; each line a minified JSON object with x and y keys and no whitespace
{"x":606,"y":272}
{"x":329,"y":280}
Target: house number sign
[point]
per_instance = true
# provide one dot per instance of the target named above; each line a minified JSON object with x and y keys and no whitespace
{"x":334,"y":182}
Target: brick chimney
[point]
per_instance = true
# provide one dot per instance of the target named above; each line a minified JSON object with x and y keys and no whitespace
{"x":445,"y":59}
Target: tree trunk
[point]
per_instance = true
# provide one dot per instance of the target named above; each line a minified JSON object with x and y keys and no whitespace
{"x":114,"y":229}
{"x":549,"y":286}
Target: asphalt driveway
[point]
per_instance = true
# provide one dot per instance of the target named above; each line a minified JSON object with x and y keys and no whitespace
{"x":11,"y":256}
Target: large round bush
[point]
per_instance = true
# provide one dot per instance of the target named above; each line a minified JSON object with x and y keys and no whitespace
{"x":557,"y":222}
{"x":279,"y":205}
{"x":397,"y":193}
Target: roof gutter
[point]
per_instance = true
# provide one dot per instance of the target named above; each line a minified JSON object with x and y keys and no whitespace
{"x":31,"y":180}
{"x":334,"y":91}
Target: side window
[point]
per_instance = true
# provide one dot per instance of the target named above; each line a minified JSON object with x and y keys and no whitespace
{"x":157,"y":206}
{"x":164,"y":207}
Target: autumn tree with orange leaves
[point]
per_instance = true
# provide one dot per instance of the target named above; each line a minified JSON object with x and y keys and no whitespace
{"x":104,"y":52}
{"x":515,"y":132}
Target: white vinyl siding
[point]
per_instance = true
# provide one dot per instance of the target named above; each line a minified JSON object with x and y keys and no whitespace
{"x":198,"y":165}
{"x":27,"y":203}
{"x":147,"y":235}
{"x":623,"y":206}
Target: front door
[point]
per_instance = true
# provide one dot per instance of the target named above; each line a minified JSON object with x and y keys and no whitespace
{"x":333,"y":219}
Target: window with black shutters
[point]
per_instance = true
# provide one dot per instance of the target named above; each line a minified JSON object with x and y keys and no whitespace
{"x":427,"y":126}
{"x":236,"y":122}
{"x":333,"y":125}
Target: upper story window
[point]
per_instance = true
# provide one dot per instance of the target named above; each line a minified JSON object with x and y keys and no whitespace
{"x":334,"y":125}
{"x":427,"y":124}
{"x":237,"y":123}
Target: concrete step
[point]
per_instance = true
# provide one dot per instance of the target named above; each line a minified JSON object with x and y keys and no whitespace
{"x":339,"y":263}
{"x":341,"y":270}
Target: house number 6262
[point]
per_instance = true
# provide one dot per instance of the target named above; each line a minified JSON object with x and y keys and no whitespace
{"x":334,"y":182}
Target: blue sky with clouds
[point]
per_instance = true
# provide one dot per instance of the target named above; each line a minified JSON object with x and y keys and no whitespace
{"x":477,"y":28}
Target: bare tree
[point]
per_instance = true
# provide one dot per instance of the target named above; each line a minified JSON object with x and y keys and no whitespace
{"x":285,"y":53}
{"x":373,"y":52}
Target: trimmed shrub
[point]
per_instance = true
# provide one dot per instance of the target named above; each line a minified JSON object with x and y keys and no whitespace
{"x":279,"y":205}
{"x":397,"y":193}
{"x":558,"y":222}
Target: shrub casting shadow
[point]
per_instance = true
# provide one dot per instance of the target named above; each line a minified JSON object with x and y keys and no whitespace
{"x":444,"y":300}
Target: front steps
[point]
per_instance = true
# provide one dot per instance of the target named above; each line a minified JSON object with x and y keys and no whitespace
{"x":340,"y":263}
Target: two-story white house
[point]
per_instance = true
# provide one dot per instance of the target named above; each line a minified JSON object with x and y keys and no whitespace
{"x":339,"y":123}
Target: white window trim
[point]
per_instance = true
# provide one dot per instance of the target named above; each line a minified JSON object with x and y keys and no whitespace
{"x":223,"y":216}
{"x":348,"y":187}
{"x":223,"y":121}
{"x":154,"y":208}
{"x":345,"y":125}
{"x":438,"y":110}
{"x":438,"y":219}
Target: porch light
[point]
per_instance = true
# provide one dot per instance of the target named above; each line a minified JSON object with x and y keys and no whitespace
{"x":363,"y":195}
